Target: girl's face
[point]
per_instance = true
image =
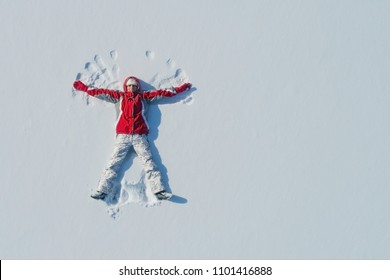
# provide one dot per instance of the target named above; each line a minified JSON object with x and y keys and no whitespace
{"x":132,"y":88}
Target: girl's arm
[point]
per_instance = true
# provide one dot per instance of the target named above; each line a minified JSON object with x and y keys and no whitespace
{"x":109,"y":95}
{"x":157,"y":94}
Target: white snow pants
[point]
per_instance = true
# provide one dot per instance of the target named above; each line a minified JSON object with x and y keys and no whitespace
{"x":141,"y":146}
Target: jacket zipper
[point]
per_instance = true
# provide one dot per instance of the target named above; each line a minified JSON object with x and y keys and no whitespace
{"x":132,"y":124}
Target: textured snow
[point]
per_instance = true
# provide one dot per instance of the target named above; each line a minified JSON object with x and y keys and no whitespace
{"x":281,"y":151}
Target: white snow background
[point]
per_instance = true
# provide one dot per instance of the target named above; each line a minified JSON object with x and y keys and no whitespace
{"x":281,"y":150}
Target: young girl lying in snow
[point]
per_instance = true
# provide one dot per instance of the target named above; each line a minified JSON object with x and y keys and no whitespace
{"x":132,"y":131}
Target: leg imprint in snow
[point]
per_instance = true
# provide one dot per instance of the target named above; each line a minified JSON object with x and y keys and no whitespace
{"x":133,"y":193}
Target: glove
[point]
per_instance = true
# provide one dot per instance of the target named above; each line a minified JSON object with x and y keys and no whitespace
{"x":80,"y":86}
{"x":183,"y":87}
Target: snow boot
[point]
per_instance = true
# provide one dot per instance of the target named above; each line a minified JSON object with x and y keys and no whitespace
{"x":99,"y":195}
{"x":163,"y":195}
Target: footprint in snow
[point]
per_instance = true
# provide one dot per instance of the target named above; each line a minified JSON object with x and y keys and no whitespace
{"x":149,"y":55}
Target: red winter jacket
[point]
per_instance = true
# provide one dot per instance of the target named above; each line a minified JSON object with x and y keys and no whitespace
{"x":132,"y":119}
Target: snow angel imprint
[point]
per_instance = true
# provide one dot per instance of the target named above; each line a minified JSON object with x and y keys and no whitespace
{"x":132,"y":131}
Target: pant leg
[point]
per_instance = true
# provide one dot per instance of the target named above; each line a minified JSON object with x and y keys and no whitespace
{"x":153,"y":177}
{"x":110,"y":174}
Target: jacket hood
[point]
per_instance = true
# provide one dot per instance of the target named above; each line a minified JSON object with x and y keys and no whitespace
{"x":131,"y":77}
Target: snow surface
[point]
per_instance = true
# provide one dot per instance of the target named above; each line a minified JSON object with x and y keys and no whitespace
{"x":281,"y":151}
